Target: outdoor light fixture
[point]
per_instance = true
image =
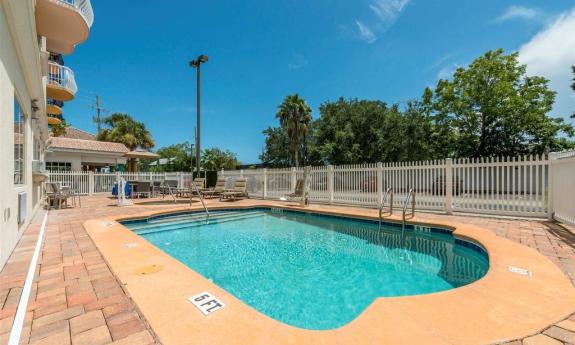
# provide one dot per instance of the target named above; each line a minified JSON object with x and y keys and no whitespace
{"x":196,"y":64}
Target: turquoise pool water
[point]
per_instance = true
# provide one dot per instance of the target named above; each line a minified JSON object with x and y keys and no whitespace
{"x":313,"y":271}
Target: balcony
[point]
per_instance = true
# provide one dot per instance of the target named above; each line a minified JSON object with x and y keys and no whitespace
{"x":61,"y":83}
{"x":54,"y":120}
{"x":64,"y":23}
{"x":54,"y":107}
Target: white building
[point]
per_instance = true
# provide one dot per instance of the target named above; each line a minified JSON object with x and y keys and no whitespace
{"x":33,"y":83}
{"x":80,"y":151}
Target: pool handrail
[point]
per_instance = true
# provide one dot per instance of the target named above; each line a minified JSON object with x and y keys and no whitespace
{"x":410,"y":199}
{"x":388,"y":193}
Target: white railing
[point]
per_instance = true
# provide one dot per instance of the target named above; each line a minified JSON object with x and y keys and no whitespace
{"x":500,"y":186}
{"x":84,"y":7}
{"x":563,"y":186}
{"x":89,"y":183}
{"x":62,"y":76}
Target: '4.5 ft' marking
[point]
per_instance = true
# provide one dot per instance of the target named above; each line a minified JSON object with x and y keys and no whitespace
{"x":206,"y":303}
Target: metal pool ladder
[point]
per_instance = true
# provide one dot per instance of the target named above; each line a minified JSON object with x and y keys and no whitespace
{"x":199,"y":196}
{"x":388,"y":194}
{"x":410,"y":199}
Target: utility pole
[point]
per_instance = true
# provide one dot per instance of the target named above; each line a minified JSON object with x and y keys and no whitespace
{"x":98,"y":119}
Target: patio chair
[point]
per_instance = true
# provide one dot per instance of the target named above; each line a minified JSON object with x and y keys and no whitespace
{"x":143,"y":189}
{"x":156,"y":188}
{"x":218,"y":189}
{"x":56,"y":195}
{"x":237,"y":191}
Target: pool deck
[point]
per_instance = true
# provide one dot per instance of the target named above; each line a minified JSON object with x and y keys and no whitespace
{"x":87,"y":291}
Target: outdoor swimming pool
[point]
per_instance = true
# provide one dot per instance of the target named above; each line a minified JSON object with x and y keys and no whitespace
{"x":313,"y":271}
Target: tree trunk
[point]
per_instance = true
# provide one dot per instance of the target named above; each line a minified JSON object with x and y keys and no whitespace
{"x":296,"y":154}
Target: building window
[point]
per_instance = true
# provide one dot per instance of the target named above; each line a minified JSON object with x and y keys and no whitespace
{"x":58,"y":166}
{"x":19,"y":143}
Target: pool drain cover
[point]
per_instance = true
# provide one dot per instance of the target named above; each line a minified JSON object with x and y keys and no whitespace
{"x":143,"y":271}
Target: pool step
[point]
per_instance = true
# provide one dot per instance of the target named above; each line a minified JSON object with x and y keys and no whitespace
{"x":196,"y":223}
{"x":185,"y":219}
{"x":178,"y":219}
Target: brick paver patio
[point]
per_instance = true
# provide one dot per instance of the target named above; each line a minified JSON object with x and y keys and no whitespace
{"x":76,"y":299}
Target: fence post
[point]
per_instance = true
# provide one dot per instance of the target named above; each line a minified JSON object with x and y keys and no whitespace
{"x":265,"y":183}
{"x":330,"y":183}
{"x":293,"y":179}
{"x":550,"y":206}
{"x":180,"y":180}
{"x":449,"y":186}
{"x":379,"y":184}
{"x":90,"y":182}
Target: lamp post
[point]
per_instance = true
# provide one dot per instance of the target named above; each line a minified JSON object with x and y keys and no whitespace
{"x":196,"y":64}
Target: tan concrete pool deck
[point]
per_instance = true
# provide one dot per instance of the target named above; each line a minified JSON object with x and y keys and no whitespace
{"x":77,"y":299}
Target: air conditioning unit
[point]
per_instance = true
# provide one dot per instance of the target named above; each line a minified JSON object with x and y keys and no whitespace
{"x":22,"y":209}
{"x":38,"y":166}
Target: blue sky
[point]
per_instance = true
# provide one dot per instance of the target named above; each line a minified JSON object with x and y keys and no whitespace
{"x":136,"y":57}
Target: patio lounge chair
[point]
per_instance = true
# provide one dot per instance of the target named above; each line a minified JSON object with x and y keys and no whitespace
{"x":238,"y":190}
{"x":143,"y":189}
{"x":200,"y":183}
{"x":169,"y":187}
{"x":219,"y":188}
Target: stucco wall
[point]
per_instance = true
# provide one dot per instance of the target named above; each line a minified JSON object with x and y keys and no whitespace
{"x":13,"y":82}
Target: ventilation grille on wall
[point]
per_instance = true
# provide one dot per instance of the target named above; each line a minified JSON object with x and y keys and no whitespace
{"x":22,"y":207}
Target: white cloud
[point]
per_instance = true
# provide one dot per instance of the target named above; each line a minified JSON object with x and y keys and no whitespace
{"x":551,"y":53}
{"x":518,"y":12}
{"x":365,"y":33}
{"x":388,"y":10}
{"x":447,"y":71}
{"x":299,"y":61}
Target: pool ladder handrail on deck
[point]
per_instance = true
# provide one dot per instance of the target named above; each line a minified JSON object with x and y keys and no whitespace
{"x":410,"y":199}
{"x":199,"y":196}
{"x":388,"y":193}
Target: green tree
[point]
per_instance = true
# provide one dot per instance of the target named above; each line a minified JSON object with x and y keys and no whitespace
{"x":573,"y":86}
{"x":277,"y":148}
{"x":179,"y":157}
{"x":357,"y":131}
{"x":493,"y":108}
{"x":122,"y":128}
{"x":216,"y":159}
{"x":59,"y":129}
{"x":295,"y":116}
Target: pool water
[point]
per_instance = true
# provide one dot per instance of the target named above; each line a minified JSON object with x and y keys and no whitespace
{"x":313,"y":271}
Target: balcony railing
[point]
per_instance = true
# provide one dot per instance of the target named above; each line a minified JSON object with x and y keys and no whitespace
{"x":82,"y":6}
{"x":62,"y":76}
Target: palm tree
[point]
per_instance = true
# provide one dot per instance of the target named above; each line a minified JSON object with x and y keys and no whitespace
{"x":122,"y":128}
{"x":295,"y":116}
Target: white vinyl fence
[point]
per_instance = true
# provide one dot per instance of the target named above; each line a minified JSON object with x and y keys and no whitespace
{"x":502,"y":186}
{"x":532,"y":186}
{"x":89,"y":183}
{"x":562,"y":182}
